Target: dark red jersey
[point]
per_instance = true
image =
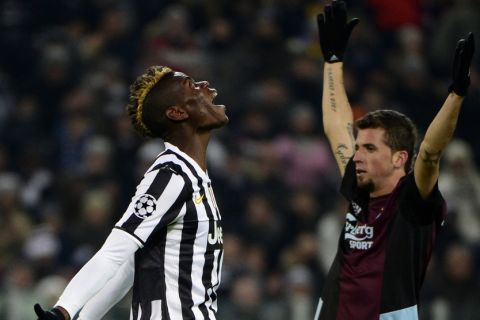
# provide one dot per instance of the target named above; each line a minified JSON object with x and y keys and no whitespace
{"x":383,"y":252}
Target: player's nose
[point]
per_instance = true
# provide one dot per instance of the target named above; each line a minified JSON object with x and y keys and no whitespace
{"x":357,"y":157}
{"x":203,"y":84}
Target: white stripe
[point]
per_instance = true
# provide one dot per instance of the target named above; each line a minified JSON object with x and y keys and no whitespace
{"x":410,"y":313}
{"x":164,"y":203}
{"x":139,"y":312}
{"x":211,"y":202}
{"x":215,"y":279}
{"x":171,"y":268}
{"x":319,"y":308}
{"x":156,"y":309}
{"x":218,"y":271}
{"x":199,"y":248}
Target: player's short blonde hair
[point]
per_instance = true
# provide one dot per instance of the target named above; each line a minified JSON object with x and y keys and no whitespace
{"x":138,"y":92}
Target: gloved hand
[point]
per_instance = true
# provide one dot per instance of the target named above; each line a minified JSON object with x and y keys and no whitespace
{"x":461,"y":65}
{"x":334,"y":31}
{"x":52,"y":314}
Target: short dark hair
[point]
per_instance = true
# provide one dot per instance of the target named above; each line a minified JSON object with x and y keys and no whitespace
{"x":400,"y":132}
{"x":144,"y":108}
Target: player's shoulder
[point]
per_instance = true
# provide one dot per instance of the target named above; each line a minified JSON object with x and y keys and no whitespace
{"x":165,"y":165}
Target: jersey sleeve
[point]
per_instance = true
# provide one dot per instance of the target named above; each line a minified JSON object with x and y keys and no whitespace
{"x":113,"y":291}
{"x":118,"y":248}
{"x":418,"y":210}
{"x":159,"y":199}
{"x":349,"y":182}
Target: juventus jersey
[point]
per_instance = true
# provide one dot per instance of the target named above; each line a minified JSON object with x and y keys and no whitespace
{"x":175,"y":219}
{"x":383,"y":252}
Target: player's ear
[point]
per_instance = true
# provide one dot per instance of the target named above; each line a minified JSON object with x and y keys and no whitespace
{"x":399,"y":159}
{"x":176,"y":113}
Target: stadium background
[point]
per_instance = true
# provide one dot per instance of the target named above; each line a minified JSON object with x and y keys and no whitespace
{"x":70,"y":161}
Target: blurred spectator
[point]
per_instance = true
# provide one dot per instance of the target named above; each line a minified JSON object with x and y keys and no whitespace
{"x":19,"y":294}
{"x":70,"y":160}
{"x":15,"y":226}
{"x":460,"y":185}
{"x":458,"y":294}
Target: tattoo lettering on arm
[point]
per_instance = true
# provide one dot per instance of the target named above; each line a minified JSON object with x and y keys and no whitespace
{"x":340,"y":153}
{"x":331,"y":90}
{"x":430,"y":158}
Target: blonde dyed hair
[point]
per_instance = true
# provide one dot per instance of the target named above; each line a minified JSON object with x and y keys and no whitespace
{"x":138,"y":92}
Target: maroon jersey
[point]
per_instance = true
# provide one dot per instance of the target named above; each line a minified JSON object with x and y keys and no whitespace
{"x":383,"y":252}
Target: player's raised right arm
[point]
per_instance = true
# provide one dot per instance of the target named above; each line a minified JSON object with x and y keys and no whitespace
{"x":337,"y":115}
{"x":334,"y":31}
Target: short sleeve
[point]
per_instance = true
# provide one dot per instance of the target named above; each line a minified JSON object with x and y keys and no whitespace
{"x":158,"y":200}
{"x":349,"y":182}
{"x":418,"y":210}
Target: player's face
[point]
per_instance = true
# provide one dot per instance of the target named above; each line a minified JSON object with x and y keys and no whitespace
{"x":198,"y":99}
{"x":373,"y":159}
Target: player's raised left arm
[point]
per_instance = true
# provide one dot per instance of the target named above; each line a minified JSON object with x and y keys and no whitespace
{"x":441,"y":130}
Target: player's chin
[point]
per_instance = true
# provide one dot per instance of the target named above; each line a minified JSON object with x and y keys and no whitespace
{"x":365,"y":184}
{"x":218,"y":123}
{"x":221,"y":116}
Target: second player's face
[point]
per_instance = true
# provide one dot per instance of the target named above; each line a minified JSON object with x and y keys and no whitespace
{"x":198,"y":99}
{"x":373,"y":159}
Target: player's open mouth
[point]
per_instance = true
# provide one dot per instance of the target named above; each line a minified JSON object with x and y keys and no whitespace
{"x":214,"y":95}
{"x":360,"y":172}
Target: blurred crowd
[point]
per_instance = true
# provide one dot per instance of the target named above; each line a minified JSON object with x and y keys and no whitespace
{"x":70,"y":160}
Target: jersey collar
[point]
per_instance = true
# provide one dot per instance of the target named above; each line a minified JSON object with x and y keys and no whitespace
{"x":198,"y":169}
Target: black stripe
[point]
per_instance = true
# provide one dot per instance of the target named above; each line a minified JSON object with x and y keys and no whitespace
{"x":132,"y":234}
{"x":189,"y":232}
{"x":158,"y":185}
{"x":131,"y":224}
{"x":162,"y":230}
{"x":146,"y":310}
{"x":135,"y":310}
{"x":185,"y":266}
{"x":154,"y":288}
{"x":156,"y":188}
{"x":190,"y":227}
{"x":208,"y":256}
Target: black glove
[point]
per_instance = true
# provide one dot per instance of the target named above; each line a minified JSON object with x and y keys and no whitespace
{"x":334,"y":31}
{"x":461,"y":65}
{"x":52,"y":314}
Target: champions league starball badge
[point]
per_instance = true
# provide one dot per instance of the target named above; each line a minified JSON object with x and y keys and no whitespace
{"x":145,"y":206}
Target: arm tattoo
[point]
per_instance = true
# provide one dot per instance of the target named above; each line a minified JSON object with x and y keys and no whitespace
{"x":350,"y":132}
{"x":431,"y":159}
{"x":340,"y":153}
{"x":331,"y":94}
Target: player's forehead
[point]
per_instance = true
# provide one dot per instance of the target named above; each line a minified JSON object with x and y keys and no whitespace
{"x":374,"y":136}
{"x":180,"y":76}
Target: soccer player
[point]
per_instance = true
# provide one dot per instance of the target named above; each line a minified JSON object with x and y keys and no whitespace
{"x":396,"y":209}
{"x":171,"y":233}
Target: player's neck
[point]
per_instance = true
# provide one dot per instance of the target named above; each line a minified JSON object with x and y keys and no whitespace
{"x":388,"y":185}
{"x":194,"y":146}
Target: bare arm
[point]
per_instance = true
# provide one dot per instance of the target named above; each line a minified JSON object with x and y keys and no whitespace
{"x":337,"y":115}
{"x":333,"y":32}
{"x":441,"y":129}
{"x":438,"y":134}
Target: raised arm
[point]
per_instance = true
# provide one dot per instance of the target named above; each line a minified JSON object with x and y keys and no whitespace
{"x":441,"y":130}
{"x":334,"y":31}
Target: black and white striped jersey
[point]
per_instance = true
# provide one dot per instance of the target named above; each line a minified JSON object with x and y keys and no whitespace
{"x":175,"y":219}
